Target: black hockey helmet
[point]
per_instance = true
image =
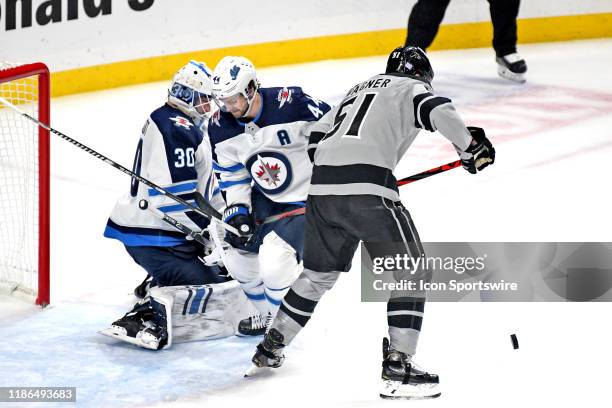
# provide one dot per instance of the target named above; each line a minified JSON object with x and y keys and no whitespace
{"x":410,"y":61}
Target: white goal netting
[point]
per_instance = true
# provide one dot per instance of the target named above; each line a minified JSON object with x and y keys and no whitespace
{"x":19,"y":182}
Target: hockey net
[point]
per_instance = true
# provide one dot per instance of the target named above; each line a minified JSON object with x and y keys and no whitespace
{"x":24,"y":182}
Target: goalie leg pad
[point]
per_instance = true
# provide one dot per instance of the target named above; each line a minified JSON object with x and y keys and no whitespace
{"x":204,"y":312}
{"x":162,"y":302}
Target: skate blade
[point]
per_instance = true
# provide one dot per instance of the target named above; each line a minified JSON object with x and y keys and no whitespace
{"x":397,"y":390}
{"x":256,"y":371}
{"x":507,"y":74}
{"x":383,"y":396}
{"x":238,"y":334}
{"x":113,"y":333}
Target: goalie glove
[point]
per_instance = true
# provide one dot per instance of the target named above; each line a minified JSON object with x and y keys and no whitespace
{"x":238,"y":216}
{"x":479,"y":154}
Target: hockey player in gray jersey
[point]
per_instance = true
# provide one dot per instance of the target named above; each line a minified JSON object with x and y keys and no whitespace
{"x":354,"y":197}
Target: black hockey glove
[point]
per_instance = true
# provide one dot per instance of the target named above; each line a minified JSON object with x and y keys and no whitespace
{"x":238,"y":216}
{"x":481,"y":154}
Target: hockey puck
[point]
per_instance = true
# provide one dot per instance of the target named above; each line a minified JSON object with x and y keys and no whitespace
{"x":515,"y":344}
{"x":143,"y":204}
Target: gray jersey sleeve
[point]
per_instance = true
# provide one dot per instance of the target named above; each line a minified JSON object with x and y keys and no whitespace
{"x":437,"y":113}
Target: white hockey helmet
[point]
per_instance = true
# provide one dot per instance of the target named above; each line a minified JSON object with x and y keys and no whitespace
{"x":234,"y":76}
{"x":191,"y":90}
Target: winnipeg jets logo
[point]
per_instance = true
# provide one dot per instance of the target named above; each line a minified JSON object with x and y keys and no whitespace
{"x":181,"y":122}
{"x":268,"y":173}
{"x":271,"y":171}
{"x":284,"y":95}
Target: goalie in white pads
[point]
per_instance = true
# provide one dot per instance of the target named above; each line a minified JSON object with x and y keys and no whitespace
{"x":260,"y":153}
{"x":174,"y":153}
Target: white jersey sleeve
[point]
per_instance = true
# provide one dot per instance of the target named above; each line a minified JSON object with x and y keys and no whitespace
{"x":208,"y":185}
{"x":235,"y":180}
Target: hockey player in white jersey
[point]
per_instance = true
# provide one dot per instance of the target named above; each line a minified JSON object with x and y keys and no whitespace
{"x":174,"y":153}
{"x":260,"y":153}
{"x":354,"y":197}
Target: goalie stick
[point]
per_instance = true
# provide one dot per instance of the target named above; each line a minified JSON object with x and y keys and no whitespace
{"x":119,"y":167}
{"x":196,"y":236}
{"x":208,"y":257}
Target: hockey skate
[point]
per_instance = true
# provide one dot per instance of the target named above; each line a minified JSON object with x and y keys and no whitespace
{"x":138,"y":328}
{"x":269,"y":353}
{"x":403,"y":379}
{"x":254,"y":326}
{"x":512,"y":67}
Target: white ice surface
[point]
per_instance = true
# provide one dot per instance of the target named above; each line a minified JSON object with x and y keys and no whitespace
{"x":550,"y":182}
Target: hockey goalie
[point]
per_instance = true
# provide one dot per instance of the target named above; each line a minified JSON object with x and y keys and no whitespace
{"x":185,"y":296}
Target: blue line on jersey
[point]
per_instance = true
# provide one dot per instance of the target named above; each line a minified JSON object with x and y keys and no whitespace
{"x":179,"y":188}
{"x":215,"y":192}
{"x":300,"y":203}
{"x":175,"y":207}
{"x":233,"y":168}
{"x":142,"y":240}
{"x":224,"y":185}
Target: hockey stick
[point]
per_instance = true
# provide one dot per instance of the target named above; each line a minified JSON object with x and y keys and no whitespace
{"x":286,"y":214}
{"x":189,"y":233}
{"x":119,"y":167}
{"x":428,"y":173}
{"x":196,"y":236}
{"x":205,"y":205}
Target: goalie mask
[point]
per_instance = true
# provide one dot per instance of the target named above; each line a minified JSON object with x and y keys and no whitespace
{"x":410,"y":61}
{"x":191,"y":90}
{"x":235,"y":78}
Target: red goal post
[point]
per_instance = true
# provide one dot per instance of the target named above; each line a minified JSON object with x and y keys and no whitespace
{"x":24,"y":182}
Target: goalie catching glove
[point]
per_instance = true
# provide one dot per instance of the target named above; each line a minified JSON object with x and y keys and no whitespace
{"x":479,"y":154}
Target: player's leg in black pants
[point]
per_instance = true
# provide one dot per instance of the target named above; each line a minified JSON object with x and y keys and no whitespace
{"x":503,"y":16}
{"x":405,"y":309}
{"x":334,"y":227}
{"x":328,"y":250}
{"x":424,"y":21}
